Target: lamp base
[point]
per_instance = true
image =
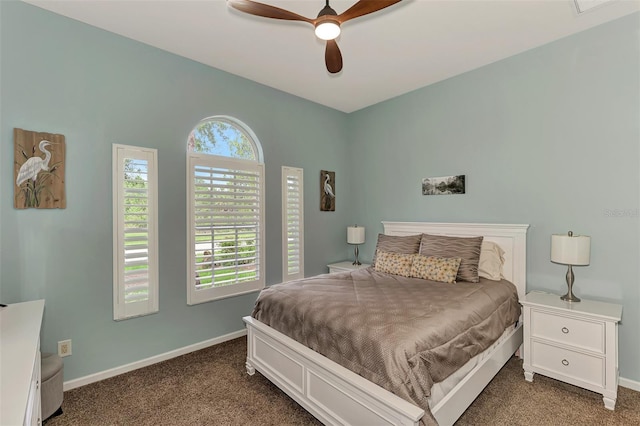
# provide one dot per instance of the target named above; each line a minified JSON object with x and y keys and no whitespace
{"x":570,"y":297}
{"x":356,"y":262}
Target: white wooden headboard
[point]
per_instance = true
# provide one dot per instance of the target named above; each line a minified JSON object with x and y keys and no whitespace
{"x":511,"y":237}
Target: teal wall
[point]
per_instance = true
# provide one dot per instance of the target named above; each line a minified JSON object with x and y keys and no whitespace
{"x":96,"y":88}
{"x":549,"y":137}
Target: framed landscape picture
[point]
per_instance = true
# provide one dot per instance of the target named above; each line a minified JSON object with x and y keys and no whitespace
{"x":443,"y":185}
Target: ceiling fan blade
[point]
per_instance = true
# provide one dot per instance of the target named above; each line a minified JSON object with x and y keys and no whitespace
{"x":364,"y":7}
{"x":333,"y":57}
{"x":267,"y":11}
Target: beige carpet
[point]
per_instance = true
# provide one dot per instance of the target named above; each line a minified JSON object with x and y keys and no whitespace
{"x":211,"y":387}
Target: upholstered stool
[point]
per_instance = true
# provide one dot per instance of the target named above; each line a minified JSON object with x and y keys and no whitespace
{"x":51,"y":390}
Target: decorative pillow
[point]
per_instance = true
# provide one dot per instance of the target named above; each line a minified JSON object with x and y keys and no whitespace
{"x":407,"y":244}
{"x":467,"y":249}
{"x":435,"y":268}
{"x":491,"y":261}
{"x":394,"y":263}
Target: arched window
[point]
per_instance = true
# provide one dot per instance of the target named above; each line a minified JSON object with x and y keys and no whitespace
{"x":226,"y":210}
{"x":225,"y":136}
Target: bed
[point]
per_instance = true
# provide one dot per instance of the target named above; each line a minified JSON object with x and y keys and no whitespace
{"x":336,"y":395}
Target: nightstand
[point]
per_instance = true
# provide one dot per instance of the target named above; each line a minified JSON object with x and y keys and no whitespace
{"x":576,"y":343}
{"x":345,"y":266}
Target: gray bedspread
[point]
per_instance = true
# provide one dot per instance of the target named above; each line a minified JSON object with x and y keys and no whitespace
{"x":404,"y":334}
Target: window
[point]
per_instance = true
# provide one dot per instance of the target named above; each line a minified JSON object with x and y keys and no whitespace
{"x":135,"y":236}
{"x":292,"y":224}
{"x":225,"y":187}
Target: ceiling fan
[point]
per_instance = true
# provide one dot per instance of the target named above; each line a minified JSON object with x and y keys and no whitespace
{"x":327,"y":24}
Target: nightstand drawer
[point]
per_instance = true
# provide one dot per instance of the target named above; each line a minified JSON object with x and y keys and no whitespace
{"x":346,"y":266}
{"x":334,"y":270}
{"x":568,"y":331}
{"x":574,"y":365}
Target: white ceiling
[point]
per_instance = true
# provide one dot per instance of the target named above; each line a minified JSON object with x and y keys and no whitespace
{"x":399,"y":49}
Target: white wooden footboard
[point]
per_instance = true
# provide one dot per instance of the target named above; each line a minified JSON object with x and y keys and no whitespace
{"x":333,"y":394}
{"x":337,"y":396}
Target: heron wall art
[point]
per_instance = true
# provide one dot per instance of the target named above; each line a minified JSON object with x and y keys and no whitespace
{"x":39,"y":170}
{"x":327,"y":191}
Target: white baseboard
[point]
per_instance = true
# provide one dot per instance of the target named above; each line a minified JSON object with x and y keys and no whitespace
{"x":628,"y":383}
{"x":96,"y":377}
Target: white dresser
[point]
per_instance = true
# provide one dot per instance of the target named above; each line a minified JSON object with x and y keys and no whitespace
{"x":576,"y":343}
{"x":345,"y":266}
{"x":20,"y":363}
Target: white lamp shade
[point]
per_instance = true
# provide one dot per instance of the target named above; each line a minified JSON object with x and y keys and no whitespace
{"x":570,"y":250}
{"x":355,"y":234}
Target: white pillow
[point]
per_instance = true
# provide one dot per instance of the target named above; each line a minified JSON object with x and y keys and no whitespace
{"x":491,"y":261}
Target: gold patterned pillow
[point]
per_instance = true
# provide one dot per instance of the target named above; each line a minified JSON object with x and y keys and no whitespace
{"x":435,"y":268}
{"x":393,"y":263}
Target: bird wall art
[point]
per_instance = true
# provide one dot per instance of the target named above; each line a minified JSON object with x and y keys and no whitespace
{"x":327,"y":191}
{"x":39,"y":168}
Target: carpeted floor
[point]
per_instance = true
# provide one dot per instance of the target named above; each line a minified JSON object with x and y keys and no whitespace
{"x":211,"y":387}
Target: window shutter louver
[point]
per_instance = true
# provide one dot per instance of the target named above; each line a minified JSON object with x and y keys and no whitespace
{"x":227,"y":234}
{"x":292,"y":223}
{"x":135,"y":231}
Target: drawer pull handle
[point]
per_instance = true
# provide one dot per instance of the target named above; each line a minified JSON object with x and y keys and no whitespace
{"x":565,"y":362}
{"x":565,"y":330}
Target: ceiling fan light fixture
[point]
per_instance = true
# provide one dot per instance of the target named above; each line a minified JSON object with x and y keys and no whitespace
{"x":327,"y":30}
{"x":327,"y":23}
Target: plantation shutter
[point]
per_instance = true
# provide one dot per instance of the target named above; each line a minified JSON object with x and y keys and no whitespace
{"x":292,"y":224}
{"x":135,"y":248}
{"x":226,"y":222}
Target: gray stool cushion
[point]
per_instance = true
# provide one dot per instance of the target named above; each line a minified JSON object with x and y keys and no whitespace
{"x":51,"y":370}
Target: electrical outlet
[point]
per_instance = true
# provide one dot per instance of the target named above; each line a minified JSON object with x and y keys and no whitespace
{"x":64,"y":348}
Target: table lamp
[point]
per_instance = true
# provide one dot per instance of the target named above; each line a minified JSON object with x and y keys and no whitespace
{"x":571,"y":250}
{"x":355,"y":235}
